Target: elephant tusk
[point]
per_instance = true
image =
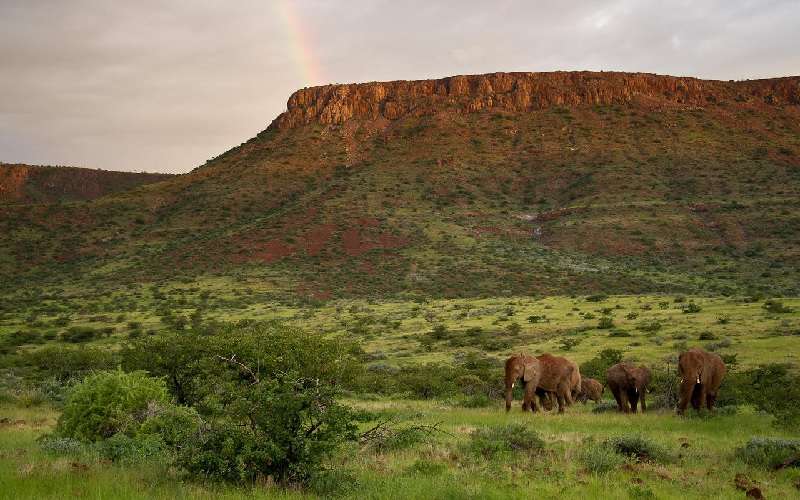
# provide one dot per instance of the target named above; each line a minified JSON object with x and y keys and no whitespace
{"x":512,"y":385}
{"x":698,"y":379}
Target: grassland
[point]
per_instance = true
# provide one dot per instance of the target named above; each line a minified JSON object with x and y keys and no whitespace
{"x":701,"y":463}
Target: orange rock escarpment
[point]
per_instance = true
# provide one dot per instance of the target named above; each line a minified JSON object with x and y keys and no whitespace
{"x":519,"y":92}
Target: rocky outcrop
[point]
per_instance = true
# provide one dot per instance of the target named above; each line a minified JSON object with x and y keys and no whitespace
{"x":519,"y":92}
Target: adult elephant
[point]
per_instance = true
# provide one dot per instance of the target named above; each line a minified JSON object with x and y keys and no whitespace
{"x":549,"y":399}
{"x":557,"y":377}
{"x":628,"y":383}
{"x":527,"y":368}
{"x":701,"y":375}
{"x":590,"y":389}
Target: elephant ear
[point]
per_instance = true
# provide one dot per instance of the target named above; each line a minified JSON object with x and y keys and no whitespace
{"x":529,"y":369}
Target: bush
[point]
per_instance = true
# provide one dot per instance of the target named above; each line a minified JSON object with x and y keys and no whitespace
{"x":477,"y":401}
{"x":596,"y":367}
{"x":776,"y":307}
{"x":79,"y":334}
{"x":632,"y":315}
{"x":619,"y":333}
{"x":490,"y":442}
{"x":605,"y":323}
{"x":691,"y":308}
{"x":604,"y":407}
{"x":108,"y":403}
{"x":272,"y":400}
{"x":651,"y":326}
{"x":639,"y":448}
{"x":770,"y":452}
{"x":600,"y":459}
{"x":55,"y":445}
{"x":707,"y":336}
{"x":122,"y":448}
{"x":66,"y":363}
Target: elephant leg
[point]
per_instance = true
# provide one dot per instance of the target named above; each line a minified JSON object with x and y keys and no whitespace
{"x":686,"y":395}
{"x":509,"y":394}
{"x":644,"y":405}
{"x":562,"y":401}
{"x":702,"y":398}
{"x":615,"y":391}
{"x":625,"y":407}
{"x":527,"y":404}
{"x":633,"y":397}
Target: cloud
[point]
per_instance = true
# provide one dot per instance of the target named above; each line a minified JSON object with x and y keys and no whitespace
{"x":163,"y":86}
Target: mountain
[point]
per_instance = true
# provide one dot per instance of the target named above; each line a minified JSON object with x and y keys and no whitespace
{"x":507,"y":183}
{"x":27,"y":184}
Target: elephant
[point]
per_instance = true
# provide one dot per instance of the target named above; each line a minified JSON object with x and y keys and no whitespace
{"x":528,"y":369}
{"x":590,"y":389}
{"x":701,"y":375}
{"x":557,"y":377}
{"x":575,"y":381}
{"x":629,"y":384}
{"x":548,"y":399}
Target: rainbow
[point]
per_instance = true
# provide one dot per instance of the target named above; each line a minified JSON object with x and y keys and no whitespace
{"x":300,"y":43}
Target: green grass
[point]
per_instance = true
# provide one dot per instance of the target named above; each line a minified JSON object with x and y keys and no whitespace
{"x":704,"y":464}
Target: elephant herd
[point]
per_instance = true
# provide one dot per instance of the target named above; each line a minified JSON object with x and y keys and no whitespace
{"x":546,"y":378}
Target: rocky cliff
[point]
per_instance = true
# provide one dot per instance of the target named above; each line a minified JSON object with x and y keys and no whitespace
{"x":519,"y":92}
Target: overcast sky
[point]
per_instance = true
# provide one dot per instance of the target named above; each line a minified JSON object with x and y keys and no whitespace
{"x":163,"y":86}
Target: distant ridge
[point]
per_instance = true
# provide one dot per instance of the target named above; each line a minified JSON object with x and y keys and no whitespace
{"x":47,"y":184}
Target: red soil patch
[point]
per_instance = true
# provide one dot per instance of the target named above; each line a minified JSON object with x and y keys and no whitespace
{"x":355,"y":243}
{"x":274,"y":250}
{"x":316,"y":238}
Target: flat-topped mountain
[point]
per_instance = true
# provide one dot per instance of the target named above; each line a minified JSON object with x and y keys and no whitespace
{"x":521,"y":92}
{"x":44,"y":184}
{"x":518,"y":183}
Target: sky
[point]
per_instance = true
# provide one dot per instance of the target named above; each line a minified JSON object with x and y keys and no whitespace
{"x":162,"y":86}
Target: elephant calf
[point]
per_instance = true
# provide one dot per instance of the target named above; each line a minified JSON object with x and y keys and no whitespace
{"x":701,"y":375}
{"x":629,"y":384}
{"x":590,"y":389}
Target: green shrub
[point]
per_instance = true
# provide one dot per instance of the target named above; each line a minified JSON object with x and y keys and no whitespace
{"x":596,"y":298}
{"x":66,"y":363}
{"x":108,"y":403}
{"x":619,"y":333}
{"x":490,"y":442}
{"x":651,"y":326}
{"x":79,"y":334}
{"x":769,"y":452}
{"x":477,"y":401}
{"x":122,"y":448}
{"x":639,"y":448}
{"x":597,"y":366}
{"x":776,"y":307}
{"x":55,"y":445}
{"x":605,"y":323}
{"x":632,"y":315}
{"x":605,"y":407}
{"x":707,"y":336}
{"x":691,"y":308}
{"x":600,"y":459}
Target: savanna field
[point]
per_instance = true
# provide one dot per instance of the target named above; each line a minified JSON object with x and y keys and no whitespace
{"x":325,"y":310}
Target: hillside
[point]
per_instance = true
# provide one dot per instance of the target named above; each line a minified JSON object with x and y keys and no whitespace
{"x":522,"y":183}
{"x":25,"y":184}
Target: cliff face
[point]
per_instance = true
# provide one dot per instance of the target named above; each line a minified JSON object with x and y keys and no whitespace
{"x":519,"y":92}
{"x":34,"y":184}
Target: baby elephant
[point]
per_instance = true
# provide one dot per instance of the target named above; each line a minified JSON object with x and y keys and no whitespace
{"x":628,"y":383}
{"x":590,"y":389}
